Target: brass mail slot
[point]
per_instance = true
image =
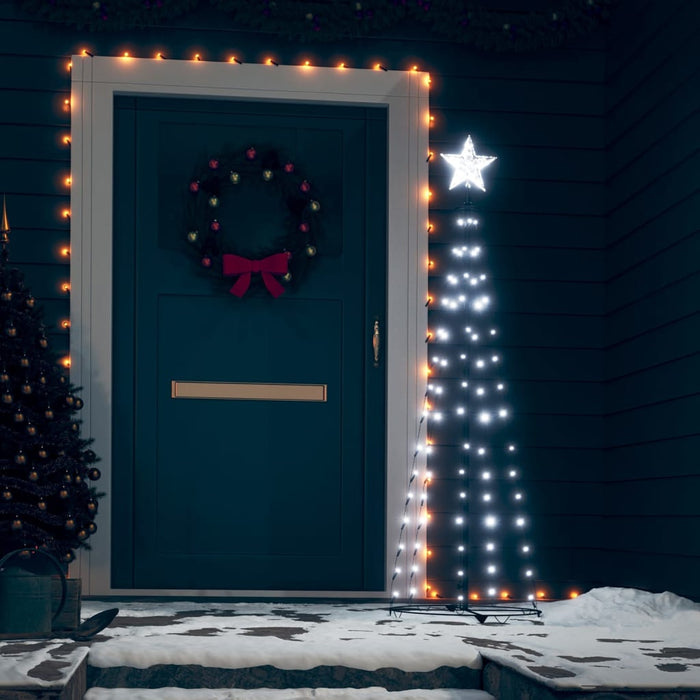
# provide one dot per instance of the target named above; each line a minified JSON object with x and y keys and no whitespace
{"x":248,"y":391}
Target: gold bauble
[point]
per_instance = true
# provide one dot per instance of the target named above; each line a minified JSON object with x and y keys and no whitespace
{"x":192,"y":236}
{"x":16,"y":524}
{"x":234,"y":177}
{"x":30,"y":302}
{"x":6,"y":495}
{"x":33,"y":475}
{"x":26,"y":389}
{"x":310,"y":250}
{"x":6,"y":295}
{"x":41,"y":504}
{"x":20,"y":458}
{"x":48,"y":414}
{"x":19,"y":417}
{"x":267,"y":175}
{"x":314,"y":205}
{"x":7,"y":397}
{"x":287,"y":277}
{"x":31,"y":429}
{"x":24,"y":361}
{"x":69,"y":524}
{"x":63,"y":493}
{"x":213,"y":201}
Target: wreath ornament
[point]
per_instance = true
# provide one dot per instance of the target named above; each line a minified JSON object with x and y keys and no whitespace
{"x":280,"y":264}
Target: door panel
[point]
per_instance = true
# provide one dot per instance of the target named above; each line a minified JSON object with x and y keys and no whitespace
{"x":241,"y":494}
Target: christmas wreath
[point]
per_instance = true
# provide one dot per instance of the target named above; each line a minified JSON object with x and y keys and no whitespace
{"x":219,"y":241}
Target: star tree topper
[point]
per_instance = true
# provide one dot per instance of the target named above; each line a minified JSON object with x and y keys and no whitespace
{"x":467,"y":166}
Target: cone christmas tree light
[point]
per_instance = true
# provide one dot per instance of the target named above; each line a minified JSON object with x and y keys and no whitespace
{"x":47,"y":501}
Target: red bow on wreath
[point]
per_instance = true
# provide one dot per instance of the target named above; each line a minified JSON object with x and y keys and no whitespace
{"x":272,"y":265}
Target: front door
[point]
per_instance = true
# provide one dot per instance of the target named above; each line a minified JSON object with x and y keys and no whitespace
{"x":282,"y":486}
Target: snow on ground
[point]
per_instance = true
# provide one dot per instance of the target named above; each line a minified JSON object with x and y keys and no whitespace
{"x":292,"y":694}
{"x":608,"y":637}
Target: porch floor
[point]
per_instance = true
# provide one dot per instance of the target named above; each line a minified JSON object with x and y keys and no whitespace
{"x":609,"y":640}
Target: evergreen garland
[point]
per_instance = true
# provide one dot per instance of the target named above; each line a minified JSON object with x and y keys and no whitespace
{"x":460,"y":21}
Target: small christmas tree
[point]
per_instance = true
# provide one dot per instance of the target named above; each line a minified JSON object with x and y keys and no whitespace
{"x":46,"y":501}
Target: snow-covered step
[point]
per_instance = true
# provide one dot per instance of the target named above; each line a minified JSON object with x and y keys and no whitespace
{"x":374,"y":693}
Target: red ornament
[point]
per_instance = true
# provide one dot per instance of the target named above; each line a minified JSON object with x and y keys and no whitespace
{"x":194,"y":186}
{"x":213,"y":163}
{"x":215,"y":225}
{"x":289,"y":167}
{"x":305,"y":186}
{"x":304,"y":227}
{"x":206,"y":261}
{"x":250,"y":153}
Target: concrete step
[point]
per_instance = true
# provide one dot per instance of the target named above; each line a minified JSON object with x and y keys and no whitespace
{"x":374,"y":693}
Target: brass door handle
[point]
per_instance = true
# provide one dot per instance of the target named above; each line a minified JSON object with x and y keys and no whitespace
{"x":376,"y":343}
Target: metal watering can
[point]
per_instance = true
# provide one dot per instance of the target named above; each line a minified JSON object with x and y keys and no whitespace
{"x":25,"y":599}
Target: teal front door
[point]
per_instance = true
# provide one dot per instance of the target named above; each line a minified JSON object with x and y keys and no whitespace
{"x":281,"y":485}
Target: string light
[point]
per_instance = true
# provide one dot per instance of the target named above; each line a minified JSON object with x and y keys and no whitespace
{"x":493,"y":558}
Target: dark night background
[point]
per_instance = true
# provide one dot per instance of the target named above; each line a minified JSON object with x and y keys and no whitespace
{"x":591,"y":220}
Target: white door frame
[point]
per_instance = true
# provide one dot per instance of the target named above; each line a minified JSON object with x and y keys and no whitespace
{"x":95,"y":82}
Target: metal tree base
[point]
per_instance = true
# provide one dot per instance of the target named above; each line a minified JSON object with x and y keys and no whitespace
{"x":499,"y":613}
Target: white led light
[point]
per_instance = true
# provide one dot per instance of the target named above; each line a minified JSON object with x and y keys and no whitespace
{"x":460,"y":548}
{"x":443,"y":363}
{"x":492,"y":331}
{"x":487,"y":497}
{"x":460,"y":597}
{"x":481,"y":451}
{"x":492,"y":591}
{"x":413,"y":591}
{"x":462,"y":494}
{"x":484,"y":417}
{"x":475,"y":337}
{"x":491,"y":521}
{"x":465,"y":385}
{"x":452,"y":279}
{"x":463,"y":356}
{"x":511,"y":448}
{"x":486,"y":475}
{"x":490,"y":546}
{"x":436,"y":416}
{"x":480,"y":364}
{"x":460,"y":410}
{"x":467,"y":446}
{"x":438,"y":390}
{"x":397,"y":570}
{"x":482,"y":277}
{"x":480,"y":391}
{"x":512,"y":473}
{"x":491,"y":569}
{"x":459,"y":520}
{"x":500,"y":387}
{"x":520,"y":522}
{"x":518,"y":496}
{"x":503,"y":413}
{"x":460,"y":573}
{"x":525,"y":549}
{"x":530,"y":596}
{"x":528,"y":573}
{"x":461,"y":472}
{"x":495,"y":358}
{"x":468,"y":329}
